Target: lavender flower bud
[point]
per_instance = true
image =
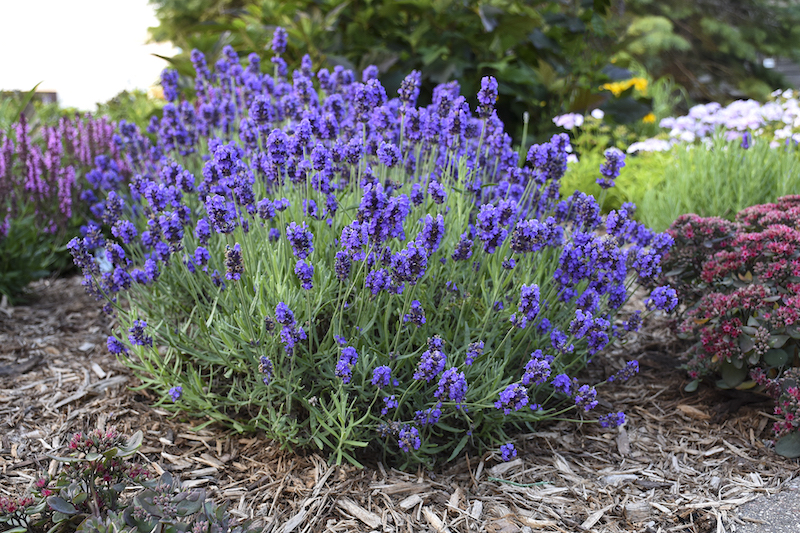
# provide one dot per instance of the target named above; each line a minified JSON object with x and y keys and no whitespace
{"x":233,"y":262}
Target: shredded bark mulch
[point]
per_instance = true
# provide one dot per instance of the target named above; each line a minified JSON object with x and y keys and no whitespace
{"x":682,"y":462}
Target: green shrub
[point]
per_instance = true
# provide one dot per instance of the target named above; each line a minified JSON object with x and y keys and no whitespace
{"x":720,"y":178}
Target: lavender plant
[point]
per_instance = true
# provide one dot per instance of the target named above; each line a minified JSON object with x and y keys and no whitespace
{"x":48,"y":177}
{"x":304,"y":256}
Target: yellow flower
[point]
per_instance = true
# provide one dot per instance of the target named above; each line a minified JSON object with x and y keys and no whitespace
{"x":640,"y":84}
{"x":155,"y":92}
{"x":649,"y":118}
{"x":619,"y":87}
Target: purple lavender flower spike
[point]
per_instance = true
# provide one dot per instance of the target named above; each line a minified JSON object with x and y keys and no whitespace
{"x":507,"y":450}
{"x":664,"y":298}
{"x":175,"y":393}
{"x":474,"y":350}
{"x":266,"y":367}
{"x":452,"y":386}
{"x":408,"y":439}
{"x":615,"y":160}
{"x":537,"y":370}
{"x":513,"y":398}
{"x":630,"y":369}
{"x":305,"y":273}
{"x":344,"y":367}
{"x":301,"y":239}
{"x":612,"y":420}
{"x":137,"y":335}
{"x":279,"y":38}
{"x":382,"y":377}
{"x":233,"y":262}
{"x":416,"y":314}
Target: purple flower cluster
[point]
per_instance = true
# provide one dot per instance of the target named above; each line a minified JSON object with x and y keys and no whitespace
{"x":291,"y":333}
{"x":474,"y":350}
{"x":416,"y":314}
{"x":630,"y":369}
{"x":528,"y":306}
{"x":305,"y":273}
{"x":664,"y":298}
{"x":175,"y":393}
{"x":513,"y":398}
{"x":382,"y":377}
{"x":610,"y":169}
{"x":507,"y":451}
{"x":612,"y":420}
{"x":344,"y":367}
{"x":537,"y":369}
{"x":433,"y":360}
{"x":137,"y":336}
{"x":452,"y":386}
{"x":408,"y":439}
{"x":233,"y":262}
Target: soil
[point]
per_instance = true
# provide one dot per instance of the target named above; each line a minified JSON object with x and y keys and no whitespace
{"x":682,"y":462}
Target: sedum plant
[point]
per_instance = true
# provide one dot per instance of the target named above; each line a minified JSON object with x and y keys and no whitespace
{"x":354,"y":273}
{"x":86,"y":495}
{"x":740,"y":281}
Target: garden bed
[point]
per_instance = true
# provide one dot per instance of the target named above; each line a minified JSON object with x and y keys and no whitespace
{"x":682,"y":462}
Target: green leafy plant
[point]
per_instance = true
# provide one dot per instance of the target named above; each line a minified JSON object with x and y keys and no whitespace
{"x":720,"y":178}
{"x":25,"y":254}
{"x":713,"y":49}
{"x":136,"y":106}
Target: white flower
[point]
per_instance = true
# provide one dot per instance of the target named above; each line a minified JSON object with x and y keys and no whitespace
{"x":598,"y":114}
{"x":569,"y":121}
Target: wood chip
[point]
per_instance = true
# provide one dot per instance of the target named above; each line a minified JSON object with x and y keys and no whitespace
{"x":410,"y":502}
{"x":693,"y":412}
{"x":595,"y":517}
{"x":637,"y":511}
{"x":353,"y":509}
{"x":434,"y":521}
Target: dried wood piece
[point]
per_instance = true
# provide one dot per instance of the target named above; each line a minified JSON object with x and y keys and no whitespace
{"x":693,"y":412}
{"x":434,"y":521}
{"x":595,"y":517}
{"x":410,"y":502}
{"x":353,"y":509}
{"x":637,"y":512}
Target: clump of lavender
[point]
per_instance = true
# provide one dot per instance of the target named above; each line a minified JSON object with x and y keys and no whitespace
{"x":395,"y":274}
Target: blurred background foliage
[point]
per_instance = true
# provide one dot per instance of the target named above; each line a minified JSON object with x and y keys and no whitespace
{"x":713,"y":48}
{"x":550,"y":57}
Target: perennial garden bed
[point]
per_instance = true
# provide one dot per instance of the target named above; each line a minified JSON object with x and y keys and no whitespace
{"x":682,"y":462}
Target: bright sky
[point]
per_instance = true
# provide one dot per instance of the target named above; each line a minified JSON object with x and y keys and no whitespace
{"x":86,"y":50}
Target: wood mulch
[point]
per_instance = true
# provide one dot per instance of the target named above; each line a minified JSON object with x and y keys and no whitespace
{"x":682,"y":462}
